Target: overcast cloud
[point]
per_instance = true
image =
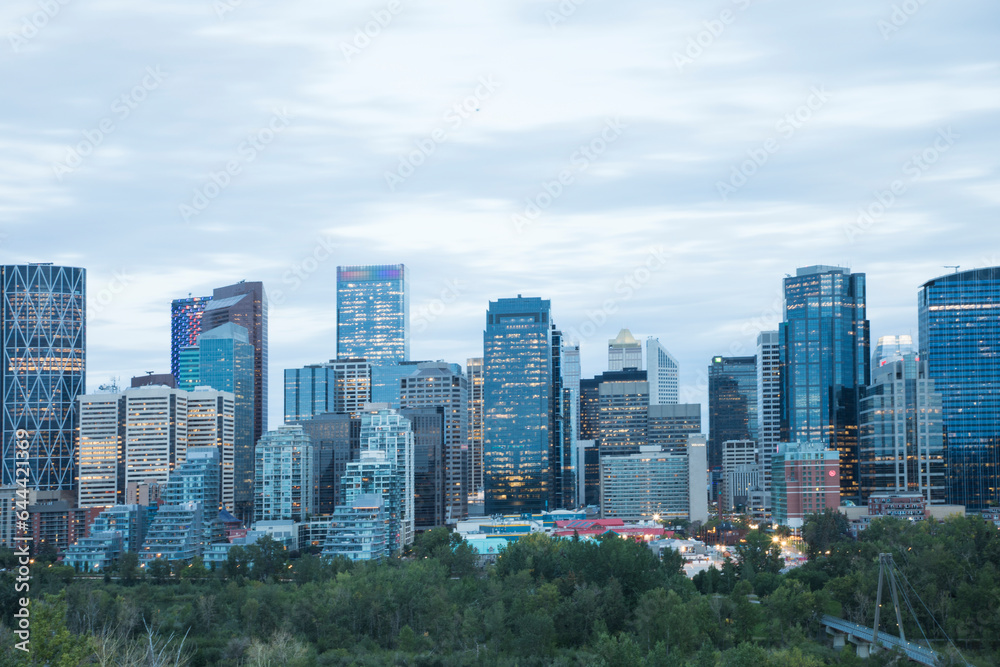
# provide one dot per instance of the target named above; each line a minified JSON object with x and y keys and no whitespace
{"x":655,"y":165}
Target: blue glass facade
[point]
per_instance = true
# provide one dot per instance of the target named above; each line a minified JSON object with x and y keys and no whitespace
{"x":826,"y":360}
{"x":43,"y":323}
{"x":960,"y":338}
{"x":518,"y":400}
{"x":185,"y":325}
{"x":373,"y":313}
{"x":227,"y":364}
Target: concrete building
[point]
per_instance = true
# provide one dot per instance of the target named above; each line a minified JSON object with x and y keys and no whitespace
{"x":805,"y":478}
{"x":768,"y":407}
{"x":623,"y":413}
{"x":669,"y":427}
{"x":741,"y":472}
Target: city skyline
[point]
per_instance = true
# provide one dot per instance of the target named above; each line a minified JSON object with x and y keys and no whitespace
{"x":885,"y":140}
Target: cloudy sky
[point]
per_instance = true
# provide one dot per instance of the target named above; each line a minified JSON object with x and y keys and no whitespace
{"x":655,"y":165}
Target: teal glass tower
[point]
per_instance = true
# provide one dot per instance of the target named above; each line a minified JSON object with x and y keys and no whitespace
{"x":518,"y":400}
{"x":227,"y":364}
{"x":826,"y":360}
{"x":43,"y":322}
{"x":960,"y":339}
{"x":373,"y":313}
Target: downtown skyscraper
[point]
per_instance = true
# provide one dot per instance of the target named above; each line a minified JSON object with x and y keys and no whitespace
{"x":732,"y":403}
{"x":959,"y":320}
{"x":518,"y":406}
{"x":185,"y":325}
{"x":43,"y":323}
{"x":825,"y":361}
{"x":373,"y":313}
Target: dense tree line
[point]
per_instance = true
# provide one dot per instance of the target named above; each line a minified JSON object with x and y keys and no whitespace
{"x":545,"y":602}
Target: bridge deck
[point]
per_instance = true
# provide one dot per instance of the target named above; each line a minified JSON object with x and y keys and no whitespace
{"x":915,"y":652}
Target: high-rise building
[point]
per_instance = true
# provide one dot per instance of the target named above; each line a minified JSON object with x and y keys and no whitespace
{"x":562,"y":440}
{"x":336,"y":440}
{"x":901,"y":443}
{"x":189,"y":367}
{"x":385,"y":430}
{"x":517,"y":412}
{"x":960,"y":339}
{"x":624,"y":351}
{"x":185,"y":326}
{"x":359,"y":530}
{"x":440,"y":384}
{"x":244,"y":304}
{"x":768,"y":404}
{"x":43,"y":323}
{"x":226,"y":363}
{"x":197,"y":480}
{"x":623,"y":416}
{"x":741,"y":471}
{"x":142,"y":435}
{"x":590,"y":400}
{"x":663,"y":372}
{"x":474,"y":373}
{"x":825,"y":360}
{"x":373,"y":313}
{"x":804,"y":480}
{"x":732,"y":403}
{"x":670,"y":427}
{"x":429,"y":466}
{"x":343,"y":386}
{"x":283,"y":480}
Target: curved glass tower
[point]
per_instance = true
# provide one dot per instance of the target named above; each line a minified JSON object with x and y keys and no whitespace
{"x":960,"y":338}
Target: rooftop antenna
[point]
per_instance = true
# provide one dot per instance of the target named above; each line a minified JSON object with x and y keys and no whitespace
{"x":952,"y":266}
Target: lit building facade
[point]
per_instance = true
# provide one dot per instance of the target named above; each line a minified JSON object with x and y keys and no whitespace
{"x":443,"y":385}
{"x":669,"y":427}
{"x":474,"y":373}
{"x":336,"y":440}
{"x":517,"y":411}
{"x":959,"y":324}
{"x":43,"y":323}
{"x":623,"y":415}
{"x":359,"y":530}
{"x":825,"y":360}
{"x":768,"y":405}
{"x":386,"y":439}
{"x":343,"y":386}
{"x":429,"y":466}
{"x":741,"y":472}
{"x":373,"y":313}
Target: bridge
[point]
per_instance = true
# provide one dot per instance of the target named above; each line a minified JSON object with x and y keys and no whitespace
{"x":863,"y":637}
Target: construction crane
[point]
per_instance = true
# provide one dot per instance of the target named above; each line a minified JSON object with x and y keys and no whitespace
{"x":952,"y":266}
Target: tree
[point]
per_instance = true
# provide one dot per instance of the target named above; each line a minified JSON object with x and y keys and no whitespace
{"x":824,"y":529}
{"x":159,"y":570}
{"x":758,"y":553}
{"x":267,"y":557}
{"x":128,"y":567}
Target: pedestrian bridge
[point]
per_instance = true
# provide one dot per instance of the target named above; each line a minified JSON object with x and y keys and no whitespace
{"x":862,"y":636}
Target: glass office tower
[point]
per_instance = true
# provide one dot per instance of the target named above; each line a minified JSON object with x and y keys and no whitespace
{"x":732,"y":403}
{"x":227,"y":364}
{"x":960,"y":339}
{"x":825,"y":360}
{"x":185,"y":325}
{"x":43,"y":322}
{"x":517,"y":411}
{"x":373,"y":313}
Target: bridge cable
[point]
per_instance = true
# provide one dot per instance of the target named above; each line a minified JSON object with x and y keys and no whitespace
{"x":913,"y":613}
{"x":943,"y":631}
